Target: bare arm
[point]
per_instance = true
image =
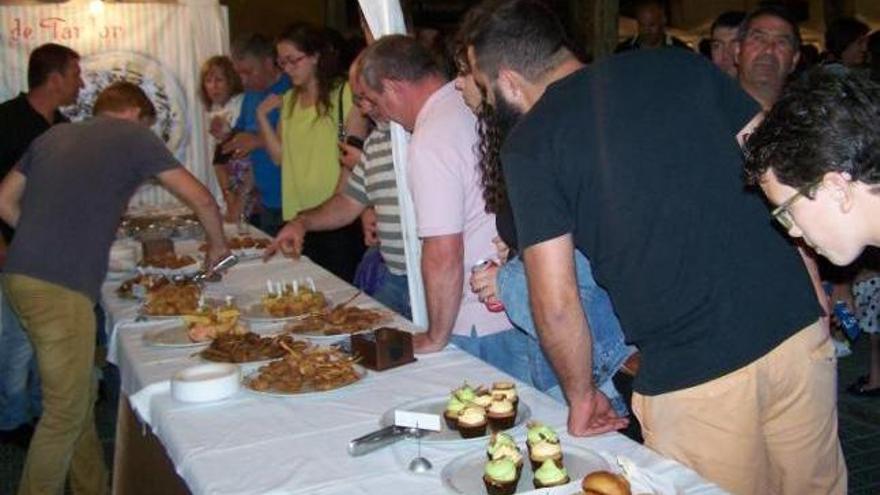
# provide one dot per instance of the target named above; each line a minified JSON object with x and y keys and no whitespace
{"x":443,"y":274}
{"x":338,"y":211}
{"x":749,"y":128}
{"x":356,"y":124}
{"x":222,"y":176}
{"x":556,"y":307}
{"x":188,"y":189}
{"x":270,"y":134}
{"x":565,"y":334}
{"x":242,"y":144}
{"x":11,"y":190}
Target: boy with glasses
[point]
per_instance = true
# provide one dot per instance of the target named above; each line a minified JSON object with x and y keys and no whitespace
{"x":817,"y":156}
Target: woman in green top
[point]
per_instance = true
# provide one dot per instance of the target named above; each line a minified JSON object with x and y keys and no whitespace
{"x":314,"y":116}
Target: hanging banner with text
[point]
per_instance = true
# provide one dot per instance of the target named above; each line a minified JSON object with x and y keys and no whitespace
{"x":158,"y":46}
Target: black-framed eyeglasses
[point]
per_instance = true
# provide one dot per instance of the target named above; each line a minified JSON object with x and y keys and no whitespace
{"x":782,"y":214}
{"x":285,"y":61}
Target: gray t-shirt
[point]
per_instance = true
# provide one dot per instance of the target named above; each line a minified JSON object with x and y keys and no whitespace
{"x":79,"y":180}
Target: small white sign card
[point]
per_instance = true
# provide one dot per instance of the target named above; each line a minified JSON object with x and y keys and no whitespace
{"x":422,"y":421}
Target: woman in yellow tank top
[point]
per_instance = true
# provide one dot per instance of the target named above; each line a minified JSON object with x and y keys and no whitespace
{"x":314,"y":114}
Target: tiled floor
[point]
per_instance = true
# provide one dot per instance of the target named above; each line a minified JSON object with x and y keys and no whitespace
{"x":861,"y":446}
{"x":859,"y":432}
{"x":859,"y":425}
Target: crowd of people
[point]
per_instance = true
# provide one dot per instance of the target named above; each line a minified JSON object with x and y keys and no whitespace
{"x":625,"y":250}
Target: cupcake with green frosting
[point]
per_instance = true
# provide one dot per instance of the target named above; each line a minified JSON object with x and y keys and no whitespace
{"x":550,"y":474}
{"x":543,"y":444}
{"x":500,"y":477}
{"x":503,"y":446}
{"x":502,"y":414}
{"x":538,"y":432}
{"x":483,"y":398}
{"x":465,"y":393}
{"x":453,"y":408}
{"x":472,"y":421}
{"x":496,"y":441}
{"x":507,"y":389}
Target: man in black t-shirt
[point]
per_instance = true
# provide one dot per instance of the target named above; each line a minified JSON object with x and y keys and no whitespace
{"x":737,"y":378}
{"x":53,"y":81}
{"x":507,"y":281}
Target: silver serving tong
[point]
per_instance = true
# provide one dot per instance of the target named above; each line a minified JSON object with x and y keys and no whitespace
{"x":382,"y":438}
{"x":215,"y":273}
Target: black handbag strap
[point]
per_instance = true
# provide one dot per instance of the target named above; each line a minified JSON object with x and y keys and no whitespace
{"x":340,"y":131}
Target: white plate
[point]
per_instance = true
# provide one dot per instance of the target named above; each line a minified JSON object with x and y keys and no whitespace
{"x":258,"y":314}
{"x":387,"y":318}
{"x":171,"y":337}
{"x":187,"y":270}
{"x":360,"y":370}
{"x":464,"y":474}
{"x":327,"y":339}
{"x":249,"y":253}
{"x":119,"y":275}
{"x":437,"y":405}
{"x":211,"y":302}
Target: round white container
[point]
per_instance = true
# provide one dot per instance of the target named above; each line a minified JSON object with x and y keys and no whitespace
{"x":206,"y":382}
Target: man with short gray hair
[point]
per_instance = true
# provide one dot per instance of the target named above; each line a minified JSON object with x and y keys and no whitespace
{"x":767,"y":51}
{"x":402,"y":79}
{"x":253,"y":57}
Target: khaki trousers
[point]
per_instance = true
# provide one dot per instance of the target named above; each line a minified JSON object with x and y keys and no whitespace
{"x":767,"y":428}
{"x":61,"y":324}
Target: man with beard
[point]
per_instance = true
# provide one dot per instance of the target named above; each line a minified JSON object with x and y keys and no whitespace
{"x":767,"y":51}
{"x":719,"y":305}
{"x":507,"y":281}
{"x":402,"y":79}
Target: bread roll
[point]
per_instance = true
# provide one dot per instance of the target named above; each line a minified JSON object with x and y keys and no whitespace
{"x":605,"y":483}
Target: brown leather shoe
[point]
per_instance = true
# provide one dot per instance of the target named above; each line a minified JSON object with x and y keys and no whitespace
{"x":631,"y":365}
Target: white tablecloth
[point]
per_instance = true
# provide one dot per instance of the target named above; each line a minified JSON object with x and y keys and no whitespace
{"x":257,"y":444}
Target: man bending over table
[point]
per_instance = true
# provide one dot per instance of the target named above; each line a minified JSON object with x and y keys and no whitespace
{"x":65,"y":198}
{"x":737,"y":378}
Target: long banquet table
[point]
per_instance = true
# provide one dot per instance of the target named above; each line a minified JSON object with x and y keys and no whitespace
{"x":252,"y":443}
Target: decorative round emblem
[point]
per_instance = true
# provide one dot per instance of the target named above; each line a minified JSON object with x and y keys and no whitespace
{"x":102,"y":69}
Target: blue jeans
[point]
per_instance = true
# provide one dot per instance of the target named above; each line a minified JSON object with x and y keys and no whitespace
{"x":609,"y":349}
{"x":394,"y":293}
{"x":507,"y":351}
{"x":20,"y":398}
{"x":374,"y":278}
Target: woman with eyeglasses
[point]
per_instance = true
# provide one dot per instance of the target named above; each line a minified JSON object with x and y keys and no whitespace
{"x":315,"y":116}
